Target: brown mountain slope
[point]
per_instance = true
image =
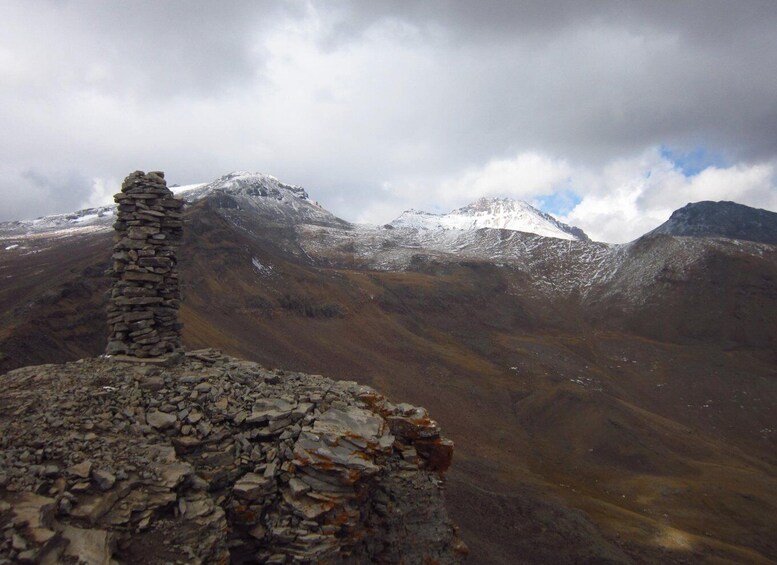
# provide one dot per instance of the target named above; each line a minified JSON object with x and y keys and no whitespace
{"x":599,"y":431}
{"x":52,"y":300}
{"x":693,"y":290}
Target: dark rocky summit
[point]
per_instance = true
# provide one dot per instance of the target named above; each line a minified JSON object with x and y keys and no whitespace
{"x":145,"y":296}
{"x":215,"y":460}
{"x":722,"y":219}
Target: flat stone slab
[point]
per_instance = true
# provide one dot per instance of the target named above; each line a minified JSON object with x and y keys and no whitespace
{"x":162,"y":360}
{"x":268,"y":410}
{"x":161,"y":420}
{"x":344,"y":442}
{"x":252,"y":486}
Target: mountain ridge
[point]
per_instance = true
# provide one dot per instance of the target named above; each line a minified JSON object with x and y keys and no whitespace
{"x":292,"y":203}
{"x":281,"y":204}
{"x":279,"y":201}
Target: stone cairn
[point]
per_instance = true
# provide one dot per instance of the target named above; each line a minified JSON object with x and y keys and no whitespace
{"x":145,"y":295}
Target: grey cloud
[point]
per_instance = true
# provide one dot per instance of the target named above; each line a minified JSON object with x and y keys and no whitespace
{"x":711,"y":21}
{"x":543,"y":71}
{"x":150,"y":49}
{"x":34,"y":193}
{"x":425,"y":90}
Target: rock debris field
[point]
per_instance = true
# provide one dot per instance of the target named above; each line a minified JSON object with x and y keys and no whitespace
{"x":215,"y":460}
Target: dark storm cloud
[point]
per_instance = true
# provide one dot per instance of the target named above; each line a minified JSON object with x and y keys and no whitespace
{"x":608,"y":74}
{"x":708,"y":21}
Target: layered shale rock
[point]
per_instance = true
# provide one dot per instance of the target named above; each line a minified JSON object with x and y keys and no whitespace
{"x":145,"y":295}
{"x":215,"y":460}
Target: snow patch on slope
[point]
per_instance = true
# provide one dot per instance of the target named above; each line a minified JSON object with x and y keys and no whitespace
{"x":557,"y":266}
{"x":183,"y":189}
{"x":261,"y":268}
{"x":61,"y":225}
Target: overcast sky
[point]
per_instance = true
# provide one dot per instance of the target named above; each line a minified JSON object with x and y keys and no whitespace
{"x":609,"y":114}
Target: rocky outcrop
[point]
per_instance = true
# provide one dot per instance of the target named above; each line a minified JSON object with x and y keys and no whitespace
{"x":145,"y":296}
{"x":215,"y":460}
{"x":721,"y":219}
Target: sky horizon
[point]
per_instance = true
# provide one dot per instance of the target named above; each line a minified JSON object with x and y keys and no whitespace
{"x":608,"y":115}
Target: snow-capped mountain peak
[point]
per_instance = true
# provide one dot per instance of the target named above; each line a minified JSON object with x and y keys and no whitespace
{"x":265,"y":198}
{"x":498,"y":213}
{"x":242,"y":183}
{"x":273,"y":200}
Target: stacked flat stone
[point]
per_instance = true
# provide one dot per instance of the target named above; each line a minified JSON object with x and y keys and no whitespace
{"x":145,"y":295}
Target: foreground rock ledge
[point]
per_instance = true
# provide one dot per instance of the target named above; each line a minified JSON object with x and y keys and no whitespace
{"x":215,"y":460}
